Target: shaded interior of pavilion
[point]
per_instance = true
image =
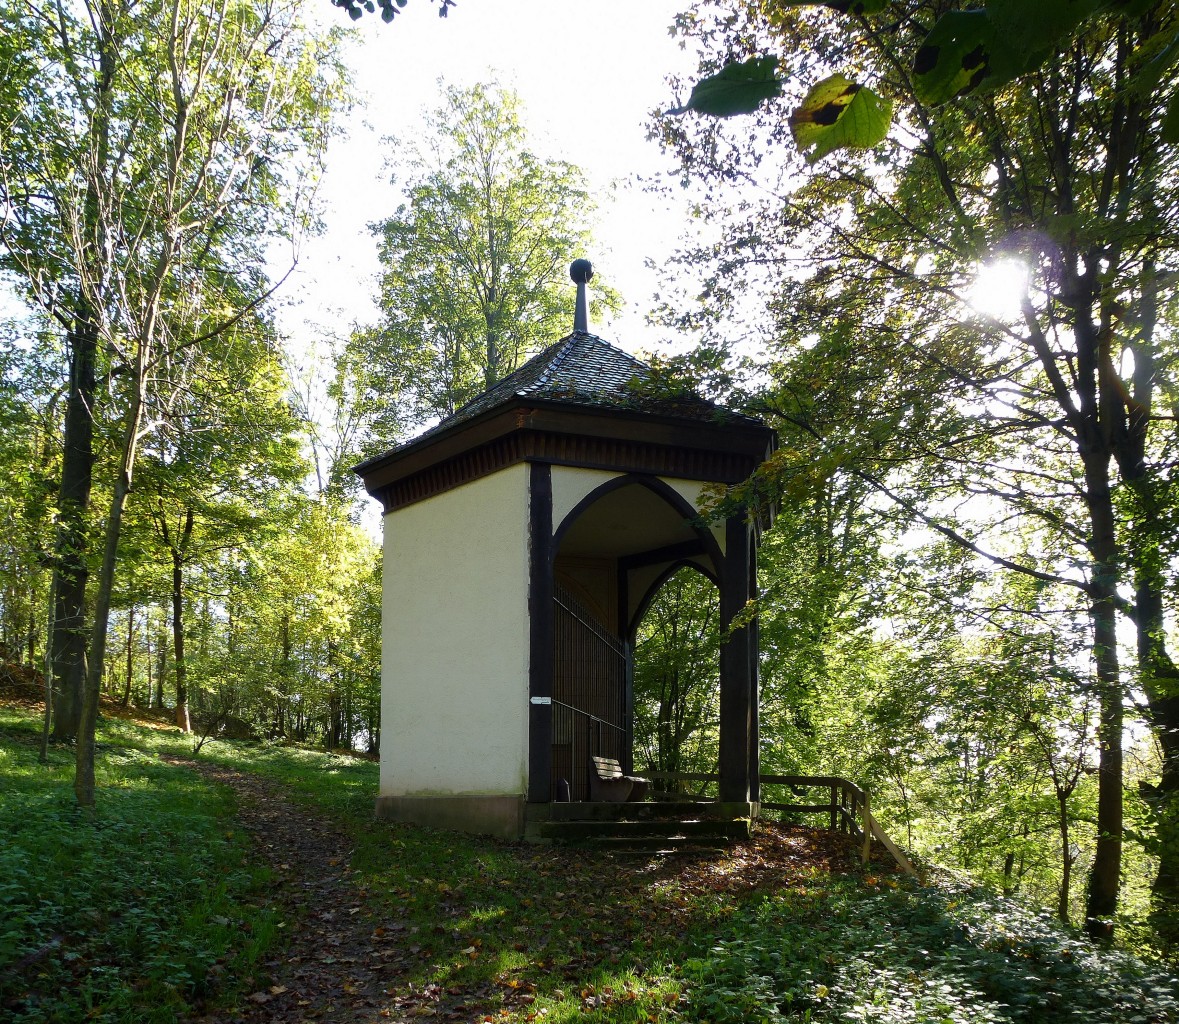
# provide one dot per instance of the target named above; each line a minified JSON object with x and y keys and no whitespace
{"x":612,"y":555}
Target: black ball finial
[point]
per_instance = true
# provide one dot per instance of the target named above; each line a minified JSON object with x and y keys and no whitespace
{"x":581,"y":271}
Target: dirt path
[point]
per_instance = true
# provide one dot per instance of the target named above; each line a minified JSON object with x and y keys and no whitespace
{"x":342,"y":965}
{"x":329,"y":969}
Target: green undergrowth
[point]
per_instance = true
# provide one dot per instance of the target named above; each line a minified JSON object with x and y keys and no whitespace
{"x":590,"y":937}
{"x":476,"y":930}
{"x":140,"y":912}
{"x":845,"y":951}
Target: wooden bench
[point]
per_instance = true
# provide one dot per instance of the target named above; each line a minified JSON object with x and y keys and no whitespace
{"x":608,"y":784}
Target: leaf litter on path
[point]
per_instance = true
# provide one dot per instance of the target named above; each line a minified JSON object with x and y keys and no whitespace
{"x":350,"y":957}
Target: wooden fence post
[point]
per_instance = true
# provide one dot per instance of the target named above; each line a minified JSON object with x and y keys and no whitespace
{"x":867,"y":818}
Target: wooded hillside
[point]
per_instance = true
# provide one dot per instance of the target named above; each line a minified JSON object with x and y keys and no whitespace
{"x":966,"y":599}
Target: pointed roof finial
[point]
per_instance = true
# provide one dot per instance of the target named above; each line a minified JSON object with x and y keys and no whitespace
{"x":582,"y":271}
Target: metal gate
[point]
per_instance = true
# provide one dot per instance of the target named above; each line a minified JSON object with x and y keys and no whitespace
{"x":590,"y":709}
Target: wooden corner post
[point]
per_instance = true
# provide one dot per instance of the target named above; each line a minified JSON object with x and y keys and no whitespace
{"x":736,"y":666}
{"x":540,"y":631}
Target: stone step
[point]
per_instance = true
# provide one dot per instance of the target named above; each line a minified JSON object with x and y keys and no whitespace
{"x":649,"y":811}
{"x":661,"y":845}
{"x":656,"y":832}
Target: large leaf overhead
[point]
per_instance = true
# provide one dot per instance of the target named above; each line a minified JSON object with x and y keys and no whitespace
{"x":956,"y":57}
{"x":1031,"y":29}
{"x":984,"y":48}
{"x":966,"y":51}
{"x":1170,"y":128}
{"x":738,"y":88}
{"x":839,"y":114}
{"x":843,"y":6}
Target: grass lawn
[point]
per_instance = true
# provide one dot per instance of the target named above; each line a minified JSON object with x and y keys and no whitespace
{"x":134,"y":914}
{"x":156,"y":906}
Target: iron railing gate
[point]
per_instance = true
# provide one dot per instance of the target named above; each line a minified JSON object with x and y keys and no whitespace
{"x":590,"y":712}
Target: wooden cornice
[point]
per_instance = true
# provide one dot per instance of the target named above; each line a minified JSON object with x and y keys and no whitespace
{"x":531,"y":431}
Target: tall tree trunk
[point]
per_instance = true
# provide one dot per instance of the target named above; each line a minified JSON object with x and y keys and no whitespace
{"x":179,"y":665}
{"x":491,"y":354}
{"x":179,"y":547}
{"x":1066,"y":856}
{"x":1159,"y":678}
{"x":161,"y":670}
{"x":333,"y":675}
{"x":280,"y":723}
{"x":77,"y":470}
{"x":84,"y":767}
{"x":1148,"y":542}
{"x":47,"y":673}
{"x":1008,"y":869}
{"x":31,"y":637}
{"x":1105,"y":875}
{"x":333,"y":730}
{"x":68,"y":639}
{"x":130,"y":655}
{"x":148,"y":650}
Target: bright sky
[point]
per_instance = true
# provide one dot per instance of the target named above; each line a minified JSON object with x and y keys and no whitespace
{"x":588,"y":73}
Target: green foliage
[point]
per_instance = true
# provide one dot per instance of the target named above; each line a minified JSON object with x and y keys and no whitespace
{"x":342,"y":785}
{"x":977,"y":748}
{"x":306,"y":649}
{"x":737,"y":88}
{"x":28,"y":456}
{"x":1169,"y":133}
{"x":475,"y":266}
{"x":389,"y":8}
{"x":843,"y":6}
{"x":863,"y":951}
{"x":970,"y":421}
{"x":979,"y":49}
{"x":140,"y":198}
{"x":957,"y":56}
{"x":157,"y":146}
{"x":512,"y":927}
{"x":677,"y":677}
{"x":967,"y":51}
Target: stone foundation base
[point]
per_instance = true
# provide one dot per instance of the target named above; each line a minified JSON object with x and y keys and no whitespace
{"x":500,"y":816}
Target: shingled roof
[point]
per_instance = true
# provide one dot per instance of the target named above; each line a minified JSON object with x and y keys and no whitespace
{"x":580,"y":369}
{"x":580,"y":402}
{"x":583,"y":370}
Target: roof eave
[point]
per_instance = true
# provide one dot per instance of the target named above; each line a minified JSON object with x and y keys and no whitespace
{"x":752,"y":439}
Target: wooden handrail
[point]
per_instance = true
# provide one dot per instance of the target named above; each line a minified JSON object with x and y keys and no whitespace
{"x":872,"y":828}
{"x":849,"y":807}
{"x":850,"y":810}
{"x":813,"y":780}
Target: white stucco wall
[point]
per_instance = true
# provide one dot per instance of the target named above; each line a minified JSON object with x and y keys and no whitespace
{"x":691,"y":490}
{"x":571,"y":485}
{"x":454,"y":699}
